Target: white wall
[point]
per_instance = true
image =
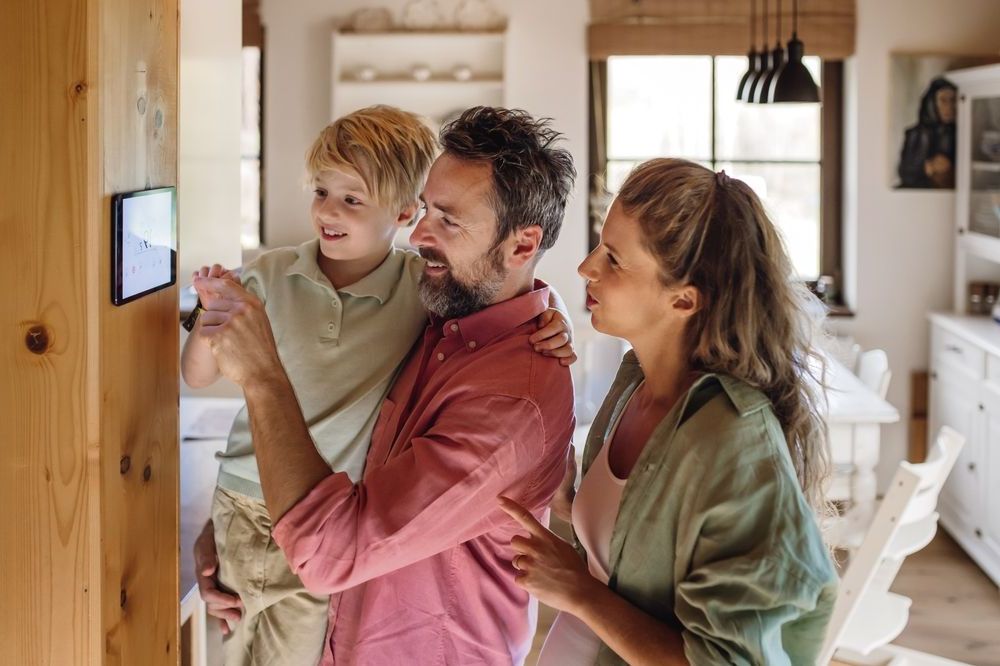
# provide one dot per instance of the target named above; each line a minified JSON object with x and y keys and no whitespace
{"x":899,"y":243}
{"x":209,"y":141}
{"x":546,"y":71}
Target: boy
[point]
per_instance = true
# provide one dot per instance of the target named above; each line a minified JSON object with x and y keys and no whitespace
{"x":344,"y":312}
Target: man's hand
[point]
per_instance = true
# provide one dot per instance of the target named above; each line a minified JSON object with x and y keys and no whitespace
{"x":554,"y":336}
{"x":223,"y":605}
{"x":237,"y":328}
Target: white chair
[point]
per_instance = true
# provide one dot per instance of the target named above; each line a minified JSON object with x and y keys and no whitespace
{"x":867,"y":617}
{"x":873,"y":371}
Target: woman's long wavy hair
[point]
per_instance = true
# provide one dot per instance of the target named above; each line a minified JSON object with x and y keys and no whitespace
{"x":757,"y":323}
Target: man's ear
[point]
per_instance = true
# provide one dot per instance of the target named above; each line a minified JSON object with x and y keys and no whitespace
{"x":408,"y":215}
{"x":526,"y":244}
{"x":687,"y":301}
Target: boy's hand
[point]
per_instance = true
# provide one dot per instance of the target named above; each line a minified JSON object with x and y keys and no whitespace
{"x":554,"y":336}
{"x":216,"y":271}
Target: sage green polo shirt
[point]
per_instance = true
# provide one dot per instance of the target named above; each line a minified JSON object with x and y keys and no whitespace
{"x":713,"y":533}
{"x":341,"y":349}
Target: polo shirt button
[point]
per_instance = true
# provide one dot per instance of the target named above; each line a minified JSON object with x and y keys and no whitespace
{"x":472,"y":344}
{"x":331,"y":326}
{"x":454,"y":327}
{"x":440,"y":356}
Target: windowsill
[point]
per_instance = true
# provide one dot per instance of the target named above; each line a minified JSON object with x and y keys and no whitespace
{"x":839,"y":310}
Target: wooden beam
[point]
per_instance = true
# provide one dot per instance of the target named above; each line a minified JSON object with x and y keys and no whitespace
{"x":89,"y":469}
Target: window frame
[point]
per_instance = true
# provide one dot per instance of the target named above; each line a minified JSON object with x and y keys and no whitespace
{"x":830,"y":163}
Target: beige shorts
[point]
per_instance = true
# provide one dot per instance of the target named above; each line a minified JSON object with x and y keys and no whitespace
{"x":282,"y":622}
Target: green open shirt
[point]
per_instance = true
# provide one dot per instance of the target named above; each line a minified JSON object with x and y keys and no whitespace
{"x":713,"y":534}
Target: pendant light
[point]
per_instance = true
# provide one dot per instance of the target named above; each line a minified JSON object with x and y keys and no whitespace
{"x":794,"y":83}
{"x":765,"y":65}
{"x":777,"y":62}
{"x":753,"y":58}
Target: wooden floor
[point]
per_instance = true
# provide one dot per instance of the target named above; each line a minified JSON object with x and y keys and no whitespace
{"x":956,"y":608}
{"x":955,"y":612}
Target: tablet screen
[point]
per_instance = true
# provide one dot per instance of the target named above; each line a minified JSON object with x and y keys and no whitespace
{"x":145,"y":243}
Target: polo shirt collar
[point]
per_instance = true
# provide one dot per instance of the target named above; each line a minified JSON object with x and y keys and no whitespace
{"x":480,"y":328}
{"x":377,"y":284}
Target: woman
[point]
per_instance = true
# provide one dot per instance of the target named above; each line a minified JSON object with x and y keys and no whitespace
{"x":696,"y":514}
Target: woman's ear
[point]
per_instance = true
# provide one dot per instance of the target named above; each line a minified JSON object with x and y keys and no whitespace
{"x":687,"y":301}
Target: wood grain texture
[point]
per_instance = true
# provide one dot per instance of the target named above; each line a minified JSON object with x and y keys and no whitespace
{"x":722,"y":27}
{"x":79,"y":531}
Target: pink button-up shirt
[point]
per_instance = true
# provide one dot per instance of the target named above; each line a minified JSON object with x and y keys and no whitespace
{"x":418,"y":549}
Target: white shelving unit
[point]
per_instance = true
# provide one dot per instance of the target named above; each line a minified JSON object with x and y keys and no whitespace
{"x":965,"y":350}
{"x":392,"y":56}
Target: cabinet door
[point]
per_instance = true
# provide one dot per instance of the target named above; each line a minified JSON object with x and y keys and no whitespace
{"x":954,"y":403}
{"x":990,"y":448}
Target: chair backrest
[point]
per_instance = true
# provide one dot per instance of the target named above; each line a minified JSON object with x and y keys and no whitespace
{"x":912,"y":498}
{"x":873,"y":371}
{"x":933,"y":473}
{"x":865,"y":563}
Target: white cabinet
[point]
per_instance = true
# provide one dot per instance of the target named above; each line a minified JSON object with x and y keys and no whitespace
{"x":964,"y":395}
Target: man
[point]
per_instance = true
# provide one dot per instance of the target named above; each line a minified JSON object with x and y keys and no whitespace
{"x":419,"y":549}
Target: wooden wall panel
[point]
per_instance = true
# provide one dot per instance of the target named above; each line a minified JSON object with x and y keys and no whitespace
{"x":88,"y":396}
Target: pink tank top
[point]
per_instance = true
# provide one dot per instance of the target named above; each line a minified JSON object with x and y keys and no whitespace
{"x":595,"y":510}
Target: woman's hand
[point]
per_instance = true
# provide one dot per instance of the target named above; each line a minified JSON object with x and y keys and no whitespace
{"x":554,"y":336}
{"x":548,"y":567}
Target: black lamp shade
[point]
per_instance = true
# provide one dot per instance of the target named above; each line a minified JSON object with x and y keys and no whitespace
{"x":758,"y":77}
{"x":793,"y":82}
{"x":764,"y":88}
{"x":753,"y":68}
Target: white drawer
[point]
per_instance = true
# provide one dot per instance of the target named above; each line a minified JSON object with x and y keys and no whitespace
{"x":956,"y":353}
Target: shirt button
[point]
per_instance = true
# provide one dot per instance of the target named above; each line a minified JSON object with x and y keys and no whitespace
{"x":454,"y":327}
{"x":336,"y":304}
{"x":440,"y":356}
{"x":331,"y":326}
{"x":472,"y":344}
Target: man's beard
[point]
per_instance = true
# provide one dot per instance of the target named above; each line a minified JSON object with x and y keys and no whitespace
{"x":450,"y":298}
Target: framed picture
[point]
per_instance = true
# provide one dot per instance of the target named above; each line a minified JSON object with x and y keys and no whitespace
{"x":923,"y":106}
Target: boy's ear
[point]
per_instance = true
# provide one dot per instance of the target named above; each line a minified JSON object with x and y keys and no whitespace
{"x":408,"y":215}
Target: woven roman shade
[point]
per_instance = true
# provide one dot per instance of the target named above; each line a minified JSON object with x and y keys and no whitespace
{"x":714,"y":27}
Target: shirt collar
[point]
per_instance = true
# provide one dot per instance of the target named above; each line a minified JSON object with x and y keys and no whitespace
{"x":744,"y":398}
{"x":377,"y":284}
{"x":480,"y":328}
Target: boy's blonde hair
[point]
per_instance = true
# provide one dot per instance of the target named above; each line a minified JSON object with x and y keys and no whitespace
{"x":391,"y":149}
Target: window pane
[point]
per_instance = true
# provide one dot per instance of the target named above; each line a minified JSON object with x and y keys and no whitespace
{"x":250,"y":150}
{"x":660,"y":106}
{"x":763,"y":131}
{"x":791,"y":195}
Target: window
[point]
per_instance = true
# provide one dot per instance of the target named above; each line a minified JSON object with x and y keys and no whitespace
{"x":250,"y":200}
{"x":685,"y":106}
